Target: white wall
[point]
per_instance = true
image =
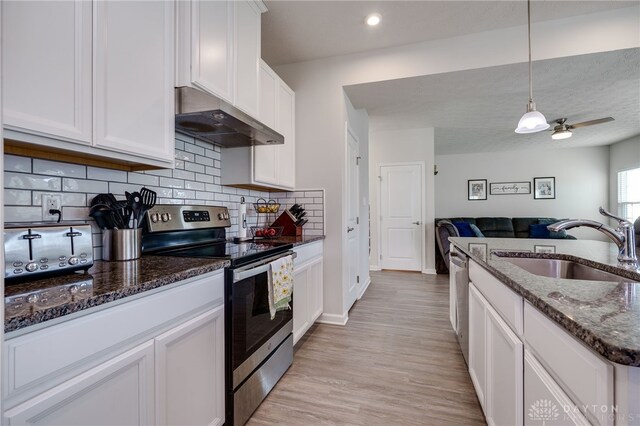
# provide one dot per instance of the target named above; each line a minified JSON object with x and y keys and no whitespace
{"x":582,"y":176}
{"x":320,"y":106}
{"x":623,"y":156}
{"x":403,"y":146}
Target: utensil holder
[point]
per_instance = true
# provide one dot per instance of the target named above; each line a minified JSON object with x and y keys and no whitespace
{"x":121,"y":244}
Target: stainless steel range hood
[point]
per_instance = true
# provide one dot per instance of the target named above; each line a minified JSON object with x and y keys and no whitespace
{"x":213,"y":120}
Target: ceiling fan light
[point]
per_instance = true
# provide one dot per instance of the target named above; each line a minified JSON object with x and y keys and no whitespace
{"x":531,"y":122}
{"x":561,"y":134}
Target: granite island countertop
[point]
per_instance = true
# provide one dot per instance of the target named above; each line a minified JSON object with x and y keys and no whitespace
{"x":105,"y":282}
{"x":604,"y":315}
{"x":297,"y":241}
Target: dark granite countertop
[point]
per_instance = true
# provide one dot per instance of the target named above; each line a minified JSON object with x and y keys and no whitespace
{"x":105,"y":282}
{"x":604,"y":315}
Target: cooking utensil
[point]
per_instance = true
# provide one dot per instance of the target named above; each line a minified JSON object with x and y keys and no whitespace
{"x":101,"y":213}
{"x":149,"y":198}
{"x":136,"y":207}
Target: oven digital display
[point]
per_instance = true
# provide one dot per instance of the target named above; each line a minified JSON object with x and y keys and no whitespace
{"x":196,"y":216}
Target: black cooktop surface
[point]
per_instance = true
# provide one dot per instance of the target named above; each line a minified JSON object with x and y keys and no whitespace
{"x":237,"y":253}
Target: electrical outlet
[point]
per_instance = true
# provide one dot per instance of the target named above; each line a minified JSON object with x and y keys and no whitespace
{"x":51,"y":202}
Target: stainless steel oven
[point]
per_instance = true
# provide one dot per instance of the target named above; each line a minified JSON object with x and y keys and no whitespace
{"x":259,"y":349}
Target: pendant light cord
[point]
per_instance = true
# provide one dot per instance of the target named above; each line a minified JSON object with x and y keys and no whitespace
{"x":529,"y":33}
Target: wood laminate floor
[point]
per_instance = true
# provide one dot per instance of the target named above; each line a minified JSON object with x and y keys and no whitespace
{"x":396,"y":362}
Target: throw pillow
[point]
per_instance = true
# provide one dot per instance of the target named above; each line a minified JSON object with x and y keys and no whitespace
{"x":553,"y":234}
{"x":477,"y":232}
{"x":539,"y":230}
{"x":464,"y":229}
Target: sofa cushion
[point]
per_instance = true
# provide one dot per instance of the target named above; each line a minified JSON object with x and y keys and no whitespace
{"x":539,"y":230}
{"x":478,"y":233}
{"x":521,"y":226}
{"x":496,"y":227}
{"x":464,"y":229}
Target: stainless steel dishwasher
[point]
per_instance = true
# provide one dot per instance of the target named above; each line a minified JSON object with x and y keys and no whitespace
{"x":459,"y":298}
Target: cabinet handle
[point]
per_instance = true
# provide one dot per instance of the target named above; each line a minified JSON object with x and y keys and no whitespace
{"x":350,"y":229}
{"x":416,"y":223}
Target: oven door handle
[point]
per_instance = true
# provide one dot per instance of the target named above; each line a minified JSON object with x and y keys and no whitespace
{"x":258,"y":267}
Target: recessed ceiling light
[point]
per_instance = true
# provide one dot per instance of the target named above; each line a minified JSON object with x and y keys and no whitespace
{"x":373,"y":19}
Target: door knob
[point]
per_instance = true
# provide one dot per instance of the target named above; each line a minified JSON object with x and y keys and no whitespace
{"x":416,"y":223}
{"x":350,"y":229}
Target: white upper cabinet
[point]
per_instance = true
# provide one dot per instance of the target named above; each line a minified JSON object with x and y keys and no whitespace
{"x":275,"y":165}
{"x":247,"y":49}
{"x":205,"y":47}
{"x":286,"y":125}
{"x":94,"y":78}
{"x":218,"y":49}
{"x":134,"y":77}
{"x":46,"y":70}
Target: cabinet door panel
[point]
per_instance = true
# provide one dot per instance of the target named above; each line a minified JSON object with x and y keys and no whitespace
{"x":46,"y":57}
{"x":133,"y":50}
{"x":212,"y":49}
{"x":268,"y":92}
{"x":120,"y":391}
{"x":286,"y":154}
{"x":504,"y":372}
{"x":544,"y":400}
{"x":247,"y":55}
{"x":315,"y":290}
{"x":190,"y":372}
{"x":477,"y":352}
{"x":300,"y":303}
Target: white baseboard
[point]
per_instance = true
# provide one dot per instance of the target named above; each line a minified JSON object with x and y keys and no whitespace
{"x":374,"y":268}
{"x":364,"y":288}
{"x":334,"y":319}
{"x":429,"y":271}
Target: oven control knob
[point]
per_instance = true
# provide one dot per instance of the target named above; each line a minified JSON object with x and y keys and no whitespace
{"x":31,"y":266}
{"x":164,"y":217}
{"x":73,"y":260}
{"x":221,"y":216}
{"x":155,"y":217}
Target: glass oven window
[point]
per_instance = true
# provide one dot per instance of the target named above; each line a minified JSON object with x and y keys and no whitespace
{"x":251,"y":323}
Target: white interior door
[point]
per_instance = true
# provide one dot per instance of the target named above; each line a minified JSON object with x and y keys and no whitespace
{"x":353,"y":222}
{"x":401,"y":217}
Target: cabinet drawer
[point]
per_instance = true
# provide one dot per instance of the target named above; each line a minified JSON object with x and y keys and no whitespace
{"x":46,"y":357}
{"x":307,"y":252}
{"x":504,"y":300}
{"x":582,"y":374}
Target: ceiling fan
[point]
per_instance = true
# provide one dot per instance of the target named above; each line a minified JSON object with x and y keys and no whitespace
{"x":562,"y":130}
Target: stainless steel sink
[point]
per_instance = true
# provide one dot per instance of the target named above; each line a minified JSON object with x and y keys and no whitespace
{"x":557,"y":268}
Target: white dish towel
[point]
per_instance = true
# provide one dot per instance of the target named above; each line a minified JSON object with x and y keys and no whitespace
{"x":280,"y":284}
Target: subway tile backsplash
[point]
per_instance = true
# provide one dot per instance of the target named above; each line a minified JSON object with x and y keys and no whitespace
{"x":195,"y":180}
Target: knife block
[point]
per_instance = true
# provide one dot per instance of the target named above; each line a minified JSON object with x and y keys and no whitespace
{"x":288,"y":222}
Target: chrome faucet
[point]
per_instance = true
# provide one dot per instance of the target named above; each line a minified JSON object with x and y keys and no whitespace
{"x":624,"y":236}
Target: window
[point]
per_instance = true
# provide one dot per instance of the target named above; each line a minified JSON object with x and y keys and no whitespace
{"x":629,"y":194}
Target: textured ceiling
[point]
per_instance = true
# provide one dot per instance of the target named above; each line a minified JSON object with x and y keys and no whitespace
{"x":478,"y":110}
{"x":296,"y":31}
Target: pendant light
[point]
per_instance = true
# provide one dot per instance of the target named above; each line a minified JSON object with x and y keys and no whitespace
{"x":532,"y":121}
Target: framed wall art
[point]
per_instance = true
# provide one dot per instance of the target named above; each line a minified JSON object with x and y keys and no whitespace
{"x":544,"y":188}
{"x":504,"y":188}
{"x":477,"y":189}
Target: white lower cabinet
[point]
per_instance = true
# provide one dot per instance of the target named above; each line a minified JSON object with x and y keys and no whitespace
{"x":544,"y":400}
{"x":477,"y":342}
{"x":307,"y":288}
{"x":116,"y":392}
{"x":495,"y":362}
{"x":190,"y":372}
{"x":158,"y":359}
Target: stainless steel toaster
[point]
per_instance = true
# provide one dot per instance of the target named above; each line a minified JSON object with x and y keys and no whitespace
{"x":46,"y":249}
